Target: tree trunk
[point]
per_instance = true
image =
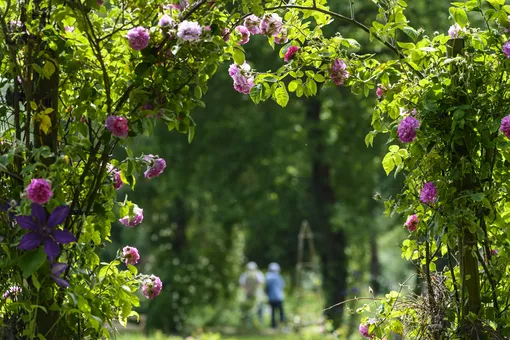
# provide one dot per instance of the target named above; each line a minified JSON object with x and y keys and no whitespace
{"x":468,"y":244}
{"x":375,"y":265}
{"x":331,"y":243}
{"x":45,"y":95}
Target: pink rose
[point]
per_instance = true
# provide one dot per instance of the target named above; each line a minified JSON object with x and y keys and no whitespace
{"x":118,"y":126}
{"x":134,"y":220}
{"x":130,"y":255}
{"x":152,"y":287}
{"x":39,"y":191}
{"x":138,"y":38}
{"x":291,"y":52}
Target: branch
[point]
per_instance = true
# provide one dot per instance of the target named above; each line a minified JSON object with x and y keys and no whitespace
{"x":492,"y":282}
{"x":131,"y":87}
{"x":343,"y":18}
{"x":186,"y":15}
{"x":355,"y":299}
{"x":95,"y":44}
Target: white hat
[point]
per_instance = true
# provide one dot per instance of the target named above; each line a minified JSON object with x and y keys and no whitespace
{"x":274,"y":267}
{"x":251,"y":265}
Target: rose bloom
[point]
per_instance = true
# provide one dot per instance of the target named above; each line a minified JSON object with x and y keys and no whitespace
{"x":118,"y":126}
{"x":412,"y":222}
{"x":407,"y":129}
{"x":381,"y":91}
{"x":506,"y":49}
{"x":134,"y":220}
{"x":189,"y":31}
{"x":156,"y":169}
{"x":165,"y":21}
{"x":245,"y":34}
{"x":152,"y":287}
{"x":456,"y":31}
{"x":243,"y":81}
{"x":271,"y":24}
{"x":130,"y":255}
{"x":505,"y":126}
{"x":117,"y":181}
{"x":281,"y":38}
{"x":252,"y":23}
{"x":338,"y":72}
{"x":138,"y":38}
{"x":363,"y":329}
{"x":39,"y":191}
{"x":428,"y":193}
{"x":291,"y":52}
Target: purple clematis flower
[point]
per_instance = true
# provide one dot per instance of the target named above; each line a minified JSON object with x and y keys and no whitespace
{"x":7,"y":206}
{"x":56,"y":271}
{"x":43,"y":230}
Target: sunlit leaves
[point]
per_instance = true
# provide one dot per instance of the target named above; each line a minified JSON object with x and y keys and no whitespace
{"x":394,"y":158}
{"x":459,"y":15}
{"x":281,"y":95}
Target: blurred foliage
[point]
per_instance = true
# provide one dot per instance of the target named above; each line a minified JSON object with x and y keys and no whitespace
{"x":241,"y":191}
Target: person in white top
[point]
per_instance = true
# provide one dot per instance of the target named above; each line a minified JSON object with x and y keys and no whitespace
{"x":252,"y":281}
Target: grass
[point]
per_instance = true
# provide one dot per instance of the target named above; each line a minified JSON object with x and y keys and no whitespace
{"x":304,"y":322}
{"x":216,"y":336}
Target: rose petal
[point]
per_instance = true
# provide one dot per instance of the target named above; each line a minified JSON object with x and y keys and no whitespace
{"x":30,"y":241}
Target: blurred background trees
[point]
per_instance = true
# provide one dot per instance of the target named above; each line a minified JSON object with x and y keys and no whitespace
{"x":242,"y":188}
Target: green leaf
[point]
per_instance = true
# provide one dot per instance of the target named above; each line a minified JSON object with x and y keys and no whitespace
{"x":369,"y":138}
{"x":48,"y":69}
{"x":31,"y":261}
{"x":239,"y":56}
{"x":83,"y":305}
{"x":141,"y":69}
{"x":35,"y":282}
{"x":198,"y":92}
{"x":132,"y":269}
{"x":293,"y":85}
{"x":319,"y":78}
{"x":191,"y":134}
{"x":478,"y":196}
{"x":411,"y":32}
{"x":397,"y":160}
{"x":394,"y":148}
{"x":281,"y":96}
{"x":388,"y":163}
{"x":496,"y":3}
{"x":312,"y":86}
{"x":459,"y":15}
{"x":256,"y":93}
{"x":83,"y":129}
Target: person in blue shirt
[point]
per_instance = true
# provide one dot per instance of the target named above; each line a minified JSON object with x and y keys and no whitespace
{"x":274,"y":291}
